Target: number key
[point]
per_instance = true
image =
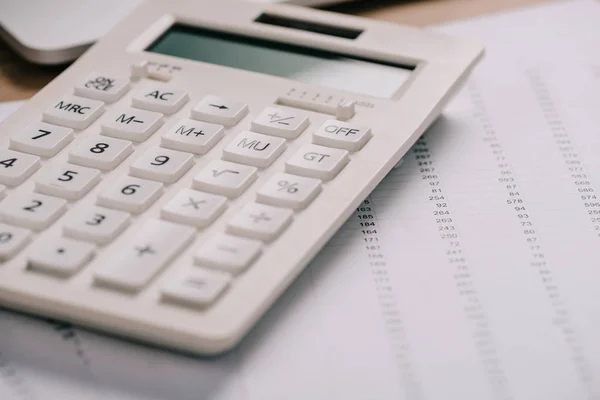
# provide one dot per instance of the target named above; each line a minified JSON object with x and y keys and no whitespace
{"x":42,"y":139}
{"x":12,"y":240}
{"x":95,"y":224}
{"x":162,"y":165}
{"x":131,"y":194}
{"x":15,"y":167}
{"x":31,"y":210}
{"x":68,"y":181}
{"x":101,"y":152}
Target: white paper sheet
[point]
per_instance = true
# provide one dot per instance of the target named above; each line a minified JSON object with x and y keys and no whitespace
{"x":473,"y":275}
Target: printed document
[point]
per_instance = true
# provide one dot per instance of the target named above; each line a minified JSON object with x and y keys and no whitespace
{"x":471,"y":272}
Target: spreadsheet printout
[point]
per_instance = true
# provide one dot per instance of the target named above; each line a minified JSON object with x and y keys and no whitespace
{"x":469,"y":273}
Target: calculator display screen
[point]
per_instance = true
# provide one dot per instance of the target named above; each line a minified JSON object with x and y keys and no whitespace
{"x":304,"y":64}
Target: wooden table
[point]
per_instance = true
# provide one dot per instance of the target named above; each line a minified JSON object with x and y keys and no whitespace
{"x":21,"y":80}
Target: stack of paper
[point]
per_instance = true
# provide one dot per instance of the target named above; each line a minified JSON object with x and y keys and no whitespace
{"x":476,"y":280}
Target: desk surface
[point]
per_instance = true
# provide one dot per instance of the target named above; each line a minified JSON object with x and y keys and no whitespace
{"x":21,"y":80}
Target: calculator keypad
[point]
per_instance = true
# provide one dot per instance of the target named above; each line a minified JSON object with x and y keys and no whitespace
{"x":177,"y":154}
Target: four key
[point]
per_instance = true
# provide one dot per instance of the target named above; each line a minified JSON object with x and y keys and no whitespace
{"x":15,"y":167}
{"x":31,"y":210}
{"x":130,"y":194}
{"x":42,"y":139}
{"x":68,"y":181}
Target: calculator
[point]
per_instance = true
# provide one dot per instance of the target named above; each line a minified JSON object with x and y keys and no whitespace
{"x":172,"y":183}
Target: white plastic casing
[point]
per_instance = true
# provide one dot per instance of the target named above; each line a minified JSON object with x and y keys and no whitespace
{"x":442,"y":64}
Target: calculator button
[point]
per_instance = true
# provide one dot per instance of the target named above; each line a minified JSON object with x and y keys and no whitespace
{"x":316,"y":161}
{"x":68,"y":181}
{"x":226,"y":178}
{"x":12,"y":240}
{"x":73,"y":112}
{"x":103,"y":87}
{"x":15,"y":167}
{"x":191,"y":207}
{"x":100,"y":152}
{"x":219,"y":111}
{"x":161,"y":99}
{"x":342,"y":135}
{"x":259,"y":221}
{"x":228,"y":253}
{"x":287,"y":190}
{"x":193,"y":136}
{"x":42,"y":139}
{"x":61,"y":256}
{"x":280,"y":122}
{"x":142,"y":256}
{"x":131,"y":194}
{"x":131,"y":124}
{"x":31,"y":210}
{"x":95,"y":224}
{"x":254,"y":149}
{"x":162,"y":165}
{"x":196,"y":287}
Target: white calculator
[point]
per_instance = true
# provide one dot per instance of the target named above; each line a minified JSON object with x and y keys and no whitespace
{"x":176,"y":179}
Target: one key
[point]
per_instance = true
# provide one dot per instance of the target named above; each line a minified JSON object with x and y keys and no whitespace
{"x":12,"y":240}
{"x":15,"y":167}
{"x":100,"y":152}
{"x":31,"y":210}
{"x":143,"y":255}
{"x":254,"y":149}
{"x":61,"y":256}
{"x":225,"y":178}
{"x":342,"y":135}
{"x":42,"y":139}
{"x":280,"y":122}
{"x":130,"y":194}
{"x":68,"y":181}
{"x":191,"y":207}
{"x":286,"y":190}
{"x":316,"y":161}
{"x":74,"y":112}
{"x":131,"y":124}
{"x":160,"y":98}
{"x":193,"y":136}
{"x":259,"y":221}
{"x":219,"y":111}
{"x":103,"y":87}
{"x":196,"y":287}
{"x":95,"y":224}
{"x":162,"y":165}
{"x":228,"y":253}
